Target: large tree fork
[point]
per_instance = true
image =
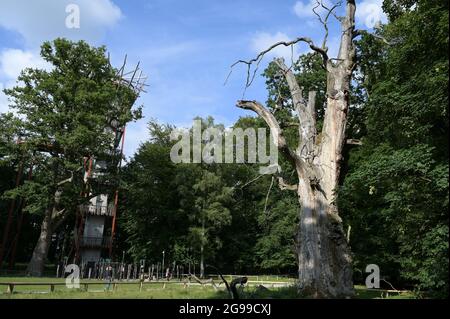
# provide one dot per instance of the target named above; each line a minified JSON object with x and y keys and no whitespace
{"x":324,"y":257}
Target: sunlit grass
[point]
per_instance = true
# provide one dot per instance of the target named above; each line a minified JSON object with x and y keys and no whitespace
{"x":162,"y":290}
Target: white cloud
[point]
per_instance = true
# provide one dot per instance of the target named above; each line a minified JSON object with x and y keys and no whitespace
{"x":304,"y":10}
{"x":104,"y":12}
{"x":42,"y":20}
{"x":135,"y":134}
{"x":12,"y":62}
{"x":370,"y":13}
{"x":264,"y":40}
{"x":3,"y":100}
{"x":38,"y":21}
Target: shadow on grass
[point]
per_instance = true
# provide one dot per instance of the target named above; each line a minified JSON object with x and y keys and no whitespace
{"x":291,"y":292}
{"x":260,"y":293}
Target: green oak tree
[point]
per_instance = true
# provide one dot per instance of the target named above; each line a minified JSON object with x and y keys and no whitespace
{"x":66,"y":115}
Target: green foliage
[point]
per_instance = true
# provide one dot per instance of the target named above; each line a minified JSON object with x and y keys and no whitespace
{"x":63,"y":116}
{"x":180,"y":207}
{"x":70,"y":105}
{"x":276,"y":248}
{"x":152,"y":215}
{"x":395,"y":195}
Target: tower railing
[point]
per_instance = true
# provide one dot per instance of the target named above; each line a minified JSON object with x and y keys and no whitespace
{"x":95,"y":242}
{"x":97,"y":210}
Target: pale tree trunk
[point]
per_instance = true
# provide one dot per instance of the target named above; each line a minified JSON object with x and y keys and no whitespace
{"x":324,"y":257}
{"x":52,"y":220}
{"x":202,"y":263}
{"x":202,"y":248}
{"x":37,"y":262}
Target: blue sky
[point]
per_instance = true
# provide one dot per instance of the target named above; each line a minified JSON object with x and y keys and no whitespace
{"x":184,"y":47}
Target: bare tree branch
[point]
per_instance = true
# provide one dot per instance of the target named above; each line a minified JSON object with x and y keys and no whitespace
{"x":331,"y":10}
{"x":359,"y":32}
{"x":352,"y":141}
{"x":285,"y":186}
{"x":57,"y":213}
{"x":305,"y":111}
{"x":267,"y":195}
{"x":272,"y":122}
{"x":70,"y":179}
{"x":324,"y":22}
{"x":67,"y":180}
{"x":279,"y":140}
{"x":253,"y":180}
{"x":257,"y":60}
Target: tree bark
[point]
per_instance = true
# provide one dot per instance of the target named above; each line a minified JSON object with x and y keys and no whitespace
{"x":202,"y":263}
{"x":53,"y":218}
{"x":324,"y":257}
{"x":37,"y":262}
{"x":202,"y":248}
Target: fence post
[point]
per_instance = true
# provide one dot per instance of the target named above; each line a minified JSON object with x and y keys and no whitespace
{"x":10,"y":288}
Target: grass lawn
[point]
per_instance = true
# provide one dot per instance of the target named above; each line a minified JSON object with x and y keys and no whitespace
{"x":159,"y":290}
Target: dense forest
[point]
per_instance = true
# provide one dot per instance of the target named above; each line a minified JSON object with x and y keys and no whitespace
{"x":393,"y":188}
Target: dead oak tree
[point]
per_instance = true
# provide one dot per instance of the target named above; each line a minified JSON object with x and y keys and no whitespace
{"x":324,"y":257}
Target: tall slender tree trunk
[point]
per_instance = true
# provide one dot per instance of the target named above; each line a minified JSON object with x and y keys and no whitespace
{"x":37,"y":262}
{"x":52,"y":219}
{"x":202,"y":248}
{"x":202,"y":263}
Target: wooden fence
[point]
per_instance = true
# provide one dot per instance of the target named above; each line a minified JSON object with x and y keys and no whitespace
{"x":114,"y":284}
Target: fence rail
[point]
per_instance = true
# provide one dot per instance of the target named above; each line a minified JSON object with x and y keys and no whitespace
{"x":139,"y":283}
